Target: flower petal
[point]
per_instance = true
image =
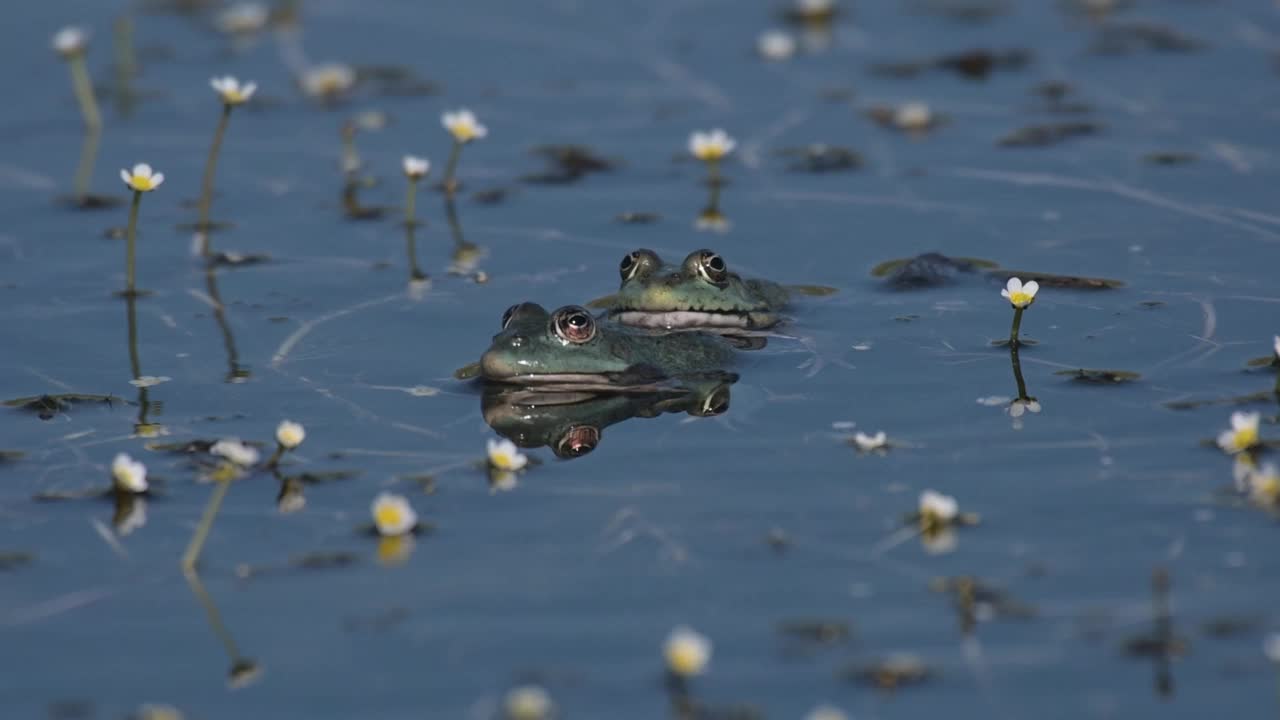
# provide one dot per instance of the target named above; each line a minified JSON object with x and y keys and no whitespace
{"x":156,"y":180}
{"x":142,"y":170}
{"x":1014,"y":285}
{"x":1031,"y":288}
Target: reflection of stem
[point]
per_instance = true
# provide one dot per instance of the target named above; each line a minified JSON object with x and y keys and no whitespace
{"x":450,"y":184}
{"x":1163,"y":630}
{"x":215,"y":617}
{"x":131,"y":240}
{"x":411,"y":244}
{"x":713,"y":173}
{"x":350,"y":157}
{"x":192,"y":555}
{"x":1017,"y":372}
{"x":84,"y":91}
{"x":274,"y":460}
{"x":126,"y":64}
{"x":1017,"y":324}
{"x":235,"y":372}
{"x":409,"y":202}
{"x":135,"y":364}
{"x":713,"y":198}
{"x":206,"y":185}
{"x":461,"y":248}
{"x":88,"y":155}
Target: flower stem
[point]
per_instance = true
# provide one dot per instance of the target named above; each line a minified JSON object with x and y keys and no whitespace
{"x":84,"y":91}
{"x":131,"y":241}
{"x":1017,"y":372}
{"x":126,"y":63}
{"x":88,"y":156}
{"x":192,"y":555}
{"x":411,"y":244}
{"x":274,"y":460}
{"x":410,"y":200}
{"x":206,"y":184}
{"x":1017,"y":325}
{"x":450,"y":184}
{"x":713,"y":173}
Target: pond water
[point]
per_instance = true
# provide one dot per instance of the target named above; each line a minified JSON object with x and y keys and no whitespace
{"x":740,"y":525}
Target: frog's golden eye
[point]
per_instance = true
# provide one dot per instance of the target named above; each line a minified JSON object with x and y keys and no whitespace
{"x":711,"y":267}
{"x":638,"y":263}
{"x":574,"y":324}
{"x":578,"y":441}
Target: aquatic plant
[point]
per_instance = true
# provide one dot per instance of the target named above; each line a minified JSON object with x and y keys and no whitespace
{"x":415,"y":168}
{"x":936,"y":510}
{"x":687,"y":652}
{"x":776,"y":45}
{"x":1264,"y":485}
{"x":289,"y":435}
{"x":232,"y":93}
{"x":869,"y":443}
{"x":711,"y":148}
{"x":528,"y":702}
{"x":465,"y":128}
{"x":71,"y":43}
{"x":128,"y":475}
{"x":1243,"y":434}
{"x":504,"y":455}
{"x":328,"y":82}
{"x":393,"y":515}
{"x":141,"y":180}
{"x":1020,"y":296}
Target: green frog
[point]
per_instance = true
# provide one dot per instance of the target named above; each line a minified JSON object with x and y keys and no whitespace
{"x":571,"y":422}
{"x":571,"y":349}
{"x":700,"y":293}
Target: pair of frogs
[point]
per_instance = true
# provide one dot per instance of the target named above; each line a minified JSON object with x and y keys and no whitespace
{"x":665,"y":322}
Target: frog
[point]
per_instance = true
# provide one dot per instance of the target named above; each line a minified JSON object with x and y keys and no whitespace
{"x":701,"y":293}
{"x":933,"y":269}
{"x":571,"y":422}
{"x":569,"y":348}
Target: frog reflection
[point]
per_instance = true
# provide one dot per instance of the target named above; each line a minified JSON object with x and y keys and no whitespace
{"x":932,"y":269}
{"x":571,"y":423}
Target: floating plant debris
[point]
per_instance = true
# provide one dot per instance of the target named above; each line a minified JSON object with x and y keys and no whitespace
{"x":1171,"y":157}
{"x":1269,"y":361}
{"x":973,"y":64}
{"x":569,"y":163}
{"x":394,"y":81}
{"x":977,"y":599}
{"x":317,"y":560}
{"x":1048,"y":134}
{"x":47,"y":406}
{"x":910,"y":118}
{"x":91,"y":201}
{"x":1062,"y":282}
{"x":1057,"y":98}
{"x":890,"y":673}
{"x":637,"y":218}
{"x":821,"y":158}
{"x":1265,"y":396}
{"x":818,"y":632}
{"x":1126,"y":38}
{"x":15,"y":560}
{"x":195,"y":447}
{"x":1100,"y":377}
{"x":11,"y":455}
{"x":492,"y":196}
{"x":1229,"y":626}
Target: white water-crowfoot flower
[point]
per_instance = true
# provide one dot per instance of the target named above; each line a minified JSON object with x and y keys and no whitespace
{"x":235,"y":451}
{"x":776,"y":45}
{"x":711,"y":146}
{"x":1018,"y":294}
{"x":415,"y":168}
{"x":1243,"y":433}
{"x":527,"y":702}
{"x":913,"y":116}
{"x":244,"y":18}
{"x":142,"y":178}
{"x":1264,"y":485}
{"x":1020,"y":406}
{"x":232,"y":91}
{"x":687,"y":652}
{"x":290,"y":434}
{"x":70,"y":41}
{"x":393,"y":515}
{"x":329,"y":80}
{"x":937,"y":510}
{"x":867,"y":443}
{"x":504,"y":455}
{"x":463,"y":125}
{"x":128,"y":475}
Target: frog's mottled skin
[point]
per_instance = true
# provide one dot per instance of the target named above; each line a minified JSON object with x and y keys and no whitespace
{"x":571,"y":423}
{"x":532,"y":350}
{"x":700,"y":293}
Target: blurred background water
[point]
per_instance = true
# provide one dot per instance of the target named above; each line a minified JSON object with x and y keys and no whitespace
{"x":573,"y":578}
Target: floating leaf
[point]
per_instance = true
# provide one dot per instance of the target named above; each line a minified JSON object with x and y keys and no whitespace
{"x":468,"y":371}
{"x":821,"y":158}
{"x":1064,"y":282}
{"x":1270,"y":361}
{"x":11,"y":455}
{"x":637,"y":218}
{"x":1100,"y":377}
{"x":47,"y":406}
{"x":1265,"y":396}
{"x":1048,"y":134}
{"x":14,"y":560}
{"x":890,"y":673}
{"x":820,"y":632}
{"x":888,"y":267}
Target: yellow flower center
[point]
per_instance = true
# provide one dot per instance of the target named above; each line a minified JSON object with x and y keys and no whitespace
{"x":394,"y":550}
{"x":233,"y":97}
{"x":388,"y":516}
{"x":463,"y":132}
{"x":141,"y":183}
{"x":685,"y":658}
{"x":502,"y":461}
{"x":1021,"y":299}
{"x":1245,"y":438}
{"x":711,"y":153}
{"x":1267,"y":488}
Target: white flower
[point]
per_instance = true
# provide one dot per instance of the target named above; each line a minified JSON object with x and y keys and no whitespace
{"x":464,"y":127}
{"x":129,"y":475}
{"x":913,"y":116}
{"x":232,"y":92}
{"x":290,"y":434}
{"x":504,"y":455}
{"x":146,"y":381}
{"x":1271,"y":647}
{"x":393,"y":515}
{"x":502,"y":481}
{"x":1243,"y":433}
{"x":1020,"y":405}
{"x":938,"y":509}
{"x":826,"y":712}
{"x":711,"y":146}
{"x":810,"y":8}
{"x":1019,"y":295}
{"x":687,"y":652}
{"x":235,"y":451}
{"x":416,"y":168}
{"x":329,"y":80}
{"x":70,"y":41}
{"x":244,"y":18}
{"x":142,"y":179}
{"x":134,"y":518}
{"x":776,"y":45}
{"x":867,"y":443}
{"x":527,"y":702}
{"x":1264,"y":484}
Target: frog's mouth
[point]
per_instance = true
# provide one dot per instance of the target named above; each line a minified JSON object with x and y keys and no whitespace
{"x":674,"y":319}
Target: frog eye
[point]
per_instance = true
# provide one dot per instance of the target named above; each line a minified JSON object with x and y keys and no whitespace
{"x":574,"y":324}
{"x":578,"y":441}
{"x":711,"y":267}
{"x":506,"y":316}
{"x":638,"y":263}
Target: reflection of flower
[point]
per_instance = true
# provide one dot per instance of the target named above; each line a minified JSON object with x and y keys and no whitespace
{"x":504,"y":455}
{"x":393,"y":515}
{"x":937,"y":510}
{"x":527,"y":702}
{"x":711,"y":146}
{"x":141,"y":178}
{"x":713,"y":220}
{"x":129,"y":475}
{"x":1264,"y":485}
{"x":826,"y":712}
{"x":328,"y":81}
{"x":912,"y":116}
{"x":464,"y":127}
{"x":687,"y":652}
{"x":1276,"y":346}
{"x":1023,"y":405}
{"x":134,"y":517}
{"x":243,"y":18}
{"x":70,"y":41}
{"x":395,"y":549}
{"x":867,"y":443}
{"x":1271,"y":647}
{"x":814,"y":9}
{"x":502,"y":480}
{"x":1243,"y":433}
{"x":416,"y":168}
{"x":776,"y":45}
{"x":940,"y":541}
{"x":231,"y":91}
{"x":290,"y":434}
{"x":1019,"y":295}
{"x":235,"y":451}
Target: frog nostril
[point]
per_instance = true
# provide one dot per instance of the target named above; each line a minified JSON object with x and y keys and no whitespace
{"x":517,"y":341}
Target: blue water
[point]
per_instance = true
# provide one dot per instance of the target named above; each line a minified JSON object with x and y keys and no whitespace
{"x":573,"y":579}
